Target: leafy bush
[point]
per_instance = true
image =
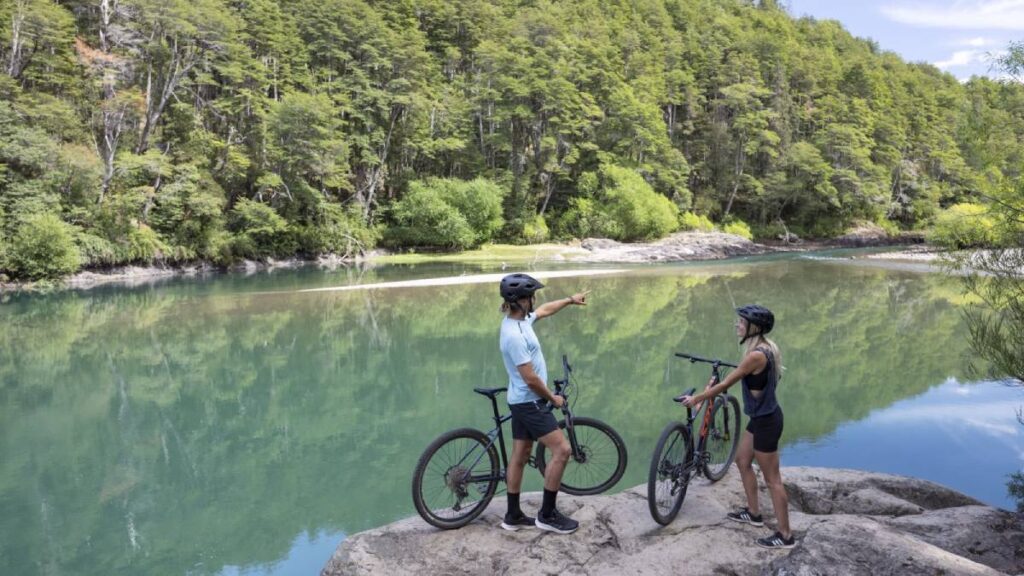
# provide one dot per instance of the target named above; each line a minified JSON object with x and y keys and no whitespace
{"x":141,"y":244}
{"x":43,"y":247}
{"x":739,"y":228}
{"x":479,"y":202}
{"x":698,"y":222}
{"x":447,"y":213}
{"x":336,"y":231}
{"x":963,"y":226}
{"x":95,"y":251}
{"x":260,"y":230}
{"x":535,"y":230}
{"x":628,"y":199}
{"x":583,"y":220}
{"x":423,"y":218}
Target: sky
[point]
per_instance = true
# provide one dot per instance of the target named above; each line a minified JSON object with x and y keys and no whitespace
{"x":958,"y":36}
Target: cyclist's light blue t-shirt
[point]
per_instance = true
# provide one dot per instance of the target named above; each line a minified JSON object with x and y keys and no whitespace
{"x":519,"y":345}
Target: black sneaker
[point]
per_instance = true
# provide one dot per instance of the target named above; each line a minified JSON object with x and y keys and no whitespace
{"x":557,"y":522}
{"x":776,"y":541}
{"x":744,"y":515}
{"x":514,"y":523}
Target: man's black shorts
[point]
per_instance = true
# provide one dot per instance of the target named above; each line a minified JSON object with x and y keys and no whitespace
{"x":766,"y":430}
{"x":531,"y":420}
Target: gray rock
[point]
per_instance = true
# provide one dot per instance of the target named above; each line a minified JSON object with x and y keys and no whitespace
{"x":846,"y":522}
{"x":677,"y":247}
{"x":847,"y":545}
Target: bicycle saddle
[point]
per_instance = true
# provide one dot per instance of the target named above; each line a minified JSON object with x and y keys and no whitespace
{"x":489,"y":392}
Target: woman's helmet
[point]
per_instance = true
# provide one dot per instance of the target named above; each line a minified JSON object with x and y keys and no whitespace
{"x":516,"y":286}
{"x":758,"y":316}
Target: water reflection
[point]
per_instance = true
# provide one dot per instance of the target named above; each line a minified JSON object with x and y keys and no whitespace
{"x":966,"y":435}
{"x":201,"y":428}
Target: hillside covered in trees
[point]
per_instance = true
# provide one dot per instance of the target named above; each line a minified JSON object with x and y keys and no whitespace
{"x":136,"y":131}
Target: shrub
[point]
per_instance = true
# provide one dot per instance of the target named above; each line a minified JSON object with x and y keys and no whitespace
{"x":141,"y":244}
{"x":94,"y":250}
{"x":619,"y":204}
{"x":479,"y":202}
{"x":535,"y":230}
{"x":423,"y":218}
{"x":336,"y":230}
{"x":698,"y":222}
{"x":260,"y":230}
{"x":963,"y":226}
{"x":626,"y":198}
{"x":43,"y":247}
{"x":583,"y":220}
{"x":739,"y":228}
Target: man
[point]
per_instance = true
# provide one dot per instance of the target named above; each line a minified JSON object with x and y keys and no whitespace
{"x":530,"y":402}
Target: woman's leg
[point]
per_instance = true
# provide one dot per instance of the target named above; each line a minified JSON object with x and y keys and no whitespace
{"x":744,"y":461}
{"x":769,"y":463}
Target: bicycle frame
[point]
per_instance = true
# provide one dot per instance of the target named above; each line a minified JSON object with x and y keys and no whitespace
{"x":691,"y":414}
{"x":497,"y":436}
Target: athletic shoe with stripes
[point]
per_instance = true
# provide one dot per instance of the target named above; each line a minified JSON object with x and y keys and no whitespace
{"x":776,"y":541}
{"x":744,"y":515}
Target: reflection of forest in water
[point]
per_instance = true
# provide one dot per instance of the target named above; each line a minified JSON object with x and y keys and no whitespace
{"x":187,"y":428}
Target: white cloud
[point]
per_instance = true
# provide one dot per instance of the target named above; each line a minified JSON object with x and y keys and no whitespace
{"x":965,"y":58}
{"x":979,"y":42}
{"x":961,"y":58}
{"x":960,"y":14}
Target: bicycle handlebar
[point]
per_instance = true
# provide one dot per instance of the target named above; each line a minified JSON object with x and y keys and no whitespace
{"x":693,"y":359}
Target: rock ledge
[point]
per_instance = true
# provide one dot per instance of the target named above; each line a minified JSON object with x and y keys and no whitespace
{"x":847,"y":523}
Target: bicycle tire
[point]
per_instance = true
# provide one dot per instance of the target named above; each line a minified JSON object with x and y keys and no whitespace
{"x":448,"y":461}
{"x":722,"y":439}
{"x":594,"y":474}
{"x":669,"y":476}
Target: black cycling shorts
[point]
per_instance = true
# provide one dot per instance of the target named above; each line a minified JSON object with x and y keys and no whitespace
{"x":531,"y":420}
{"x":766,"y":430}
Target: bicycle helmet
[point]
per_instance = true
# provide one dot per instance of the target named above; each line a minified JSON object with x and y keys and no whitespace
{"x":516,"y":286}
{"x":757,"y":315}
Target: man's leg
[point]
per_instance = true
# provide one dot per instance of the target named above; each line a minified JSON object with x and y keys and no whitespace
{"x":549,"y":517}
{"x":558,"y":445}
{"x":514,"y":474}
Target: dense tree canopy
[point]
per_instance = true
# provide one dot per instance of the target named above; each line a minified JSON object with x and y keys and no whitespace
{"x":150,"y":126}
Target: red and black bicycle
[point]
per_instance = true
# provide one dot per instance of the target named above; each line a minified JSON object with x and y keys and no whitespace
{"x":679,"y":456}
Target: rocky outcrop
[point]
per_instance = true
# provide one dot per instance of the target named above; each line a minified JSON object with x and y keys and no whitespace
{"x":677,"y":247}
{"x":847,"y":523}
{"x":868,"y":234}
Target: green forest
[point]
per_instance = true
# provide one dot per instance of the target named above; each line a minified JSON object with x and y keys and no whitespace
{"x":177,"y":131}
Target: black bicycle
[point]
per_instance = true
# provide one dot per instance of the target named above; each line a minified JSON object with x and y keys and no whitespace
{"x":458,"y":473}
{"x":677,"y":458}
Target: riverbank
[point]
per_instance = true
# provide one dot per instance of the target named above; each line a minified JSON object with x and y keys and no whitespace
{"x":846,"y":522}
{"x":678,"y":247}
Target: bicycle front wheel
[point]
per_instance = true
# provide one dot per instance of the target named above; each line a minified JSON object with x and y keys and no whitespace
{"x":601,"y":460}
{"x":670,"y":473}
{"x":455,"y":478}
{"x":719,"y":446}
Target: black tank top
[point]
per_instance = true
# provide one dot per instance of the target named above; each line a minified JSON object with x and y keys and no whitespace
{"x":768,"y":380}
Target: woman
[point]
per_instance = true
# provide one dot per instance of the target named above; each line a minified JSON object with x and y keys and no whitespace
{"x":760,"y":371}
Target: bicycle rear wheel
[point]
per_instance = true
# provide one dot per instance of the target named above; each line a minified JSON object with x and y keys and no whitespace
{"x":455,"y":478}
{"x":601,"y":462}
{"x":669,"y":477}
{"x":719,"y":446}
